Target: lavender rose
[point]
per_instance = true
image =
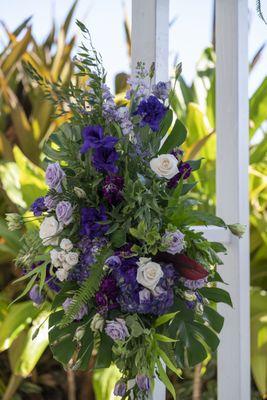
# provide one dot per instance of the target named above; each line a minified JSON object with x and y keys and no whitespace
{"x":117,"y":329}
{"x":64,"y":212}
{"x":173,"y":241}
{"x":54,"y":176}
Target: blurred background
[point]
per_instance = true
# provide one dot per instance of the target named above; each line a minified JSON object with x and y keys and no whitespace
{"x":44,"y":34}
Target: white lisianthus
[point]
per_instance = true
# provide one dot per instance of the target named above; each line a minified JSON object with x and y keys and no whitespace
{"x":72,"y":258}
{"x":97,"y":324}
{"x":66,"y":244}
{"x":149,"y":273}
{"x":54,"y":258}
{"x":165,"y":166}
{"x":62,"y":274}
{"x":49,"y":230}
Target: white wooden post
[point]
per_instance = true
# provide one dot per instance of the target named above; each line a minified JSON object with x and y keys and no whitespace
{"x":150,"y":43}
{"x":232,"y":192}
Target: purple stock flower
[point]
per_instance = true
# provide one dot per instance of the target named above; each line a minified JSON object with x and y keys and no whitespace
{"x":173,"y":241}
{"x":38,"y":206}
{"x":81,"y":313}
{"x":54,"y":176}
{"x":90,"y":218}
{"x":94,"y":138}
{"x":117,"y":329}
{"x":35,"y":295}
{"x":64,"y":212}
{"x":151,"y":111}
{"x":161,"y":90}
{"x":142,"y":382}
{"x":104,"y":160}
{"x":112,"y":188}
{"x":120,"y":388}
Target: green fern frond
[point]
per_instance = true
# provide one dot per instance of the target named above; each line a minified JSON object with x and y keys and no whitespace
{"x":259,"y":11}
{"x":88,"y":288}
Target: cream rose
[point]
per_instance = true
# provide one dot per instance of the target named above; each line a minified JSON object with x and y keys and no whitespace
{"x":165,"y":166}
{"x":54,"y":258}
{"x":62,"y":274}
{"x":72,"y":258}
{"x":66,"y":244}
{"x":49,"y":230}
{"x":149,"y":273}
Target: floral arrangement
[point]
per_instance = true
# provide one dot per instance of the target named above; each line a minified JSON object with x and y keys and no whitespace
{"x":115,"y":249}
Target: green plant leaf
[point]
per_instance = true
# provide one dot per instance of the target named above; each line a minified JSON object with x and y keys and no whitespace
{"x":176,"y":137}
{"x":217,"y":295}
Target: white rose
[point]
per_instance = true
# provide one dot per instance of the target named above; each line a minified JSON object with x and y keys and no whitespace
{"x":97,"y":323}
{"x":66,"y":244}
{"x":72,"y":258}
{"x":61,"y":255}
{"x":62,"y":274}
{"x":165,"y":166}
{"x":149,"y":273}
{"x":49,"y":230}
{"x":54,"y":258}
{"x":66,"y":266}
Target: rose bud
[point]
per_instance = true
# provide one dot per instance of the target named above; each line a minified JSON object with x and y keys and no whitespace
{"x":187,"y":267}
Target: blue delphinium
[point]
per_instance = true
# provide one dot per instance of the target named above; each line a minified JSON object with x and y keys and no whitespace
{"x":93,"y":138}
{"x":161,"y":90}
{"x":151,"y":111}
{"x":38,"y":206}
{"x":104,"y":160}
{"x":90,"y":218}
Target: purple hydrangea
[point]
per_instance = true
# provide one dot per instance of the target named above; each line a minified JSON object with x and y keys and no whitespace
{"x":35,"y":295}
{"x":161,"y":90}
{"x":54,"y":176}
{"x":134,"y":298}
{"x":112,"y":189}
{"x":104,"y":160}
{"x":117,"y":329}
{"x":81,"y":313}
{"x":90,"y":218}
{"x":64,"y":212}
{"x":106,"y":296}
{"x":38,"y":206}
{"x":142,"y":382}
{"x":151,"y":111}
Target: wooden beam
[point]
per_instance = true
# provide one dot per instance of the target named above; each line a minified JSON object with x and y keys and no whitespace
{"x":232,"y":192}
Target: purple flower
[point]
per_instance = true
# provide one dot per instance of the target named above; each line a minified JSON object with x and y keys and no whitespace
{"x":106,"y":297}
{"x":104,"y":159}
{"x":90,"y":218}
{"x":117,"y":329}
{"x":120,"y":388}
{"x":38,"y":206}
{"x":50,"y":202}
{"x":161,"y":90}
{"x":81,"y":313}
{"x":35,"y":295}
{"x":112,"y":188}
{"x":142,"y":382}
{"x":194,"y":284}
{"x":113,"y":262}
{"x":64,"y":212}
{"x":54,"y":176}
{"x":151,"y":111}
{"x":94,"y":138}
{"x":185,"y":170}
{"x":173,"y":241}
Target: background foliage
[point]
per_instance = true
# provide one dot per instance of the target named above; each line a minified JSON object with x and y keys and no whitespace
{"x":25,"y":122}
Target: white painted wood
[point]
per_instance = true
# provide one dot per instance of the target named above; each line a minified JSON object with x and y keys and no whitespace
{"x":150,"y":35}
{"x":150,"y":43}
{"x":232,"y":192}
{"x":215,"y":233}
